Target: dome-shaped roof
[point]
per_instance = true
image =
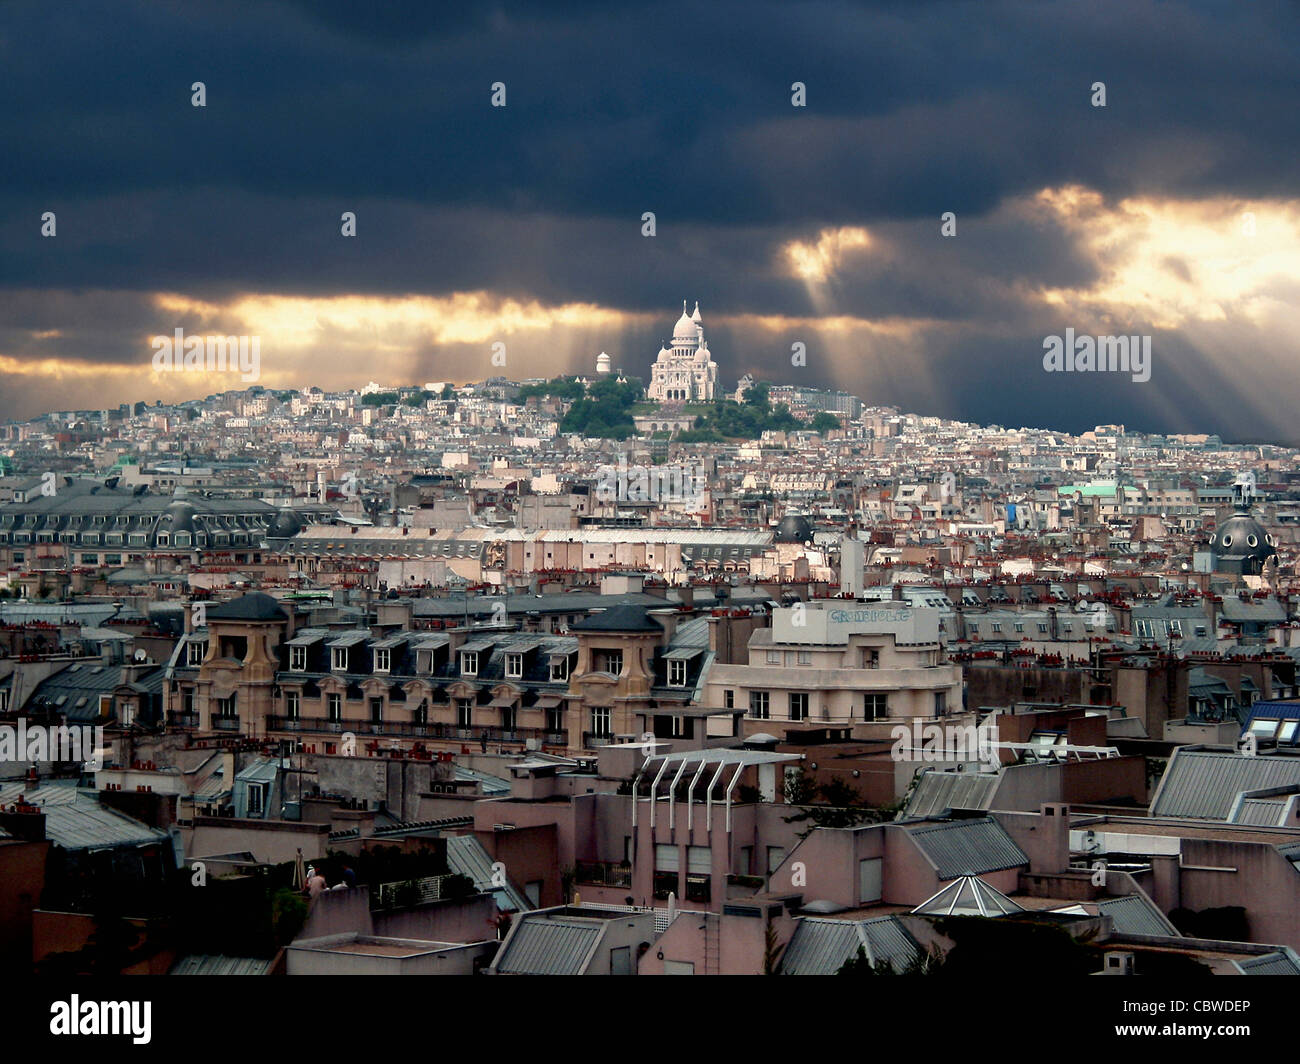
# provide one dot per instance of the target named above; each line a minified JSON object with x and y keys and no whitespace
{"x":794,"y":529}
{"x":1242,"y":536}
{"x":602,"y":357}
{"x":179,"y":517}
{"x":685,"y":329}
{"x":286,"y":524}
{"x":696,"y":316}
{"x":255,"y":606}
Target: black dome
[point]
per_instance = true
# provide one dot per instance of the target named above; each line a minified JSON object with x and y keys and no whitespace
{"x":794,"y":529}
{"x":286,"y":524}
{"x":1243,"y":540}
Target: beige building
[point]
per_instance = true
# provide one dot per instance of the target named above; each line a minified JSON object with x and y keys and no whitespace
{"x":849,"y":665}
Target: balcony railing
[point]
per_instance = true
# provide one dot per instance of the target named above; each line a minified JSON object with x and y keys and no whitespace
{"x":603,"y":873}
{"x":407,"y":730}
{"x":225,"y":724}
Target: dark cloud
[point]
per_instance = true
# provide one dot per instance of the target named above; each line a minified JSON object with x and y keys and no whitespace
{"x":914,"y":108}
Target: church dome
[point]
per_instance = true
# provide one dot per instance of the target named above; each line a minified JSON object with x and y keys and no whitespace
{"x":685,"y":329}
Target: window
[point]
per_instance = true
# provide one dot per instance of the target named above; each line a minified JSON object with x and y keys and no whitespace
{"x":555,"y":719}
{"x":610,"y":661}
{"x":514,"y":666}
{"x":1144,"y":629}
{"x":877,"y":707}
{"x":559,"y":669}
{"x":774,"y":657}
{"x":758,"y":705}
{"x":508,"y":718}
{"x":297,"y":659}
{"x":256,"y":798}
{"x":376,"y":711}
{"x":339,"y":659}
{"x":798,"y":705}
{"x":334,"y":707}
{"x":997,"y":626}
{"x":90,"y":559}
{"x":469,"y":663}
{"x":940,"y":703}
{"x":187,"y":703}
{"x":804,"y":657}
{"x":383,"y":660}
{"x":1020,"y":626}
{"x":226,"y":707}
{"x":1175,"y":627}
{"x":421,"y":713}
{"x":464,"y":712}
{"x":870,"y":658}
{"x":600,"y":721}
{"x":974,"y":628}
{"x":729,"y":698}
{"x":676,"y":673}
{"x":1042,"y":626}
{"x":292,"y":701}
{"x":198,"y":650}
{"x":667,"y":864}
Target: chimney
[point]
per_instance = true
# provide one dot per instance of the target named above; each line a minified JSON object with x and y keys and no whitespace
{"x":1050,"y":852}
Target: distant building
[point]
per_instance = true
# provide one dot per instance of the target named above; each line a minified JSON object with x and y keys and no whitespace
{"x":685,"y":373}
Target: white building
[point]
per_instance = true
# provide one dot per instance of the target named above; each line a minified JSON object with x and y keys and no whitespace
{"x":685,"y":372}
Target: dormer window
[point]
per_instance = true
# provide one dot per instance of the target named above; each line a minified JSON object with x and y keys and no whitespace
{"x":383,"y":660}
{"x":198,"y":650}
{"x":469,"y":663}
{"x":298,"y":659}
{"x":559,"y":670}
{"x":610,"y":661}
{"x":514,"y":666}
{"x":339,"y":659}
{"x":676,"y":673}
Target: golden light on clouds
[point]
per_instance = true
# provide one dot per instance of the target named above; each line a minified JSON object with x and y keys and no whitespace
{"x":1170,"y":264}
{"x":819,"y":260}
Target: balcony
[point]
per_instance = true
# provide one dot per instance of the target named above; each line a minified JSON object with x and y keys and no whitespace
{"x":406,"y":730}
{"x":225,"y":724}
{"x":182,"y":720}
{"x":590,"y":740}
{"x":603,"y":873}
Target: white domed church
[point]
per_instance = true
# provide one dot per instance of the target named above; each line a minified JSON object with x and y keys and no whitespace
{"x":685,"y":372}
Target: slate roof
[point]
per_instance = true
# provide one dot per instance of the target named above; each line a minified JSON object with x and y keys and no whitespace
{"x":624,"y":617}
{"x":252,"y":607}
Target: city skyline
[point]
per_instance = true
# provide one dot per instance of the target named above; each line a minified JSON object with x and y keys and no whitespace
{"x":918,"y":198}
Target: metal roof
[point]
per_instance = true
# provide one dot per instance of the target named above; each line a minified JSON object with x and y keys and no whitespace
{"x":938,"y":791}
{"x":1283,"y":962}
{"x":1203,"y":784}
{"x":821,"y":946}
{"x":549,"y":946}
{"x":1136,"y":914}
{"x":467,"y":857}
{"x":75,"y":820}
{"x":216,"y":964}
{"x":967,"y":847}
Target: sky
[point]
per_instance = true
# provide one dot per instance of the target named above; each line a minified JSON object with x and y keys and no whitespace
{"x":1172,"y":212}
